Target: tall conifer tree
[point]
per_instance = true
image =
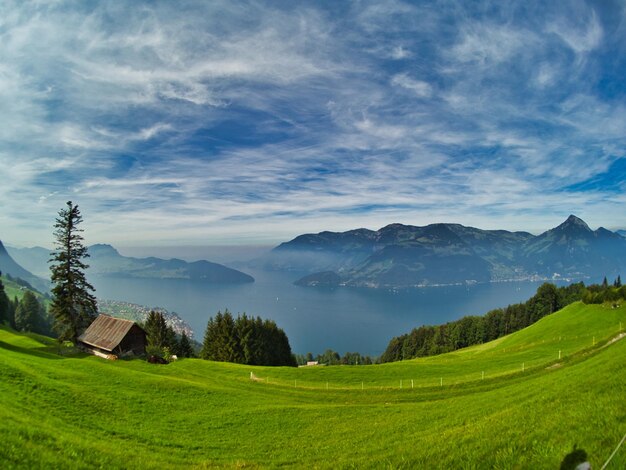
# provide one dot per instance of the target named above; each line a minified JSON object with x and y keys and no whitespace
{"x":184,"y":348}
{"x":5,"y":304}
{"x":73,"y":306}
{"x":28,"y":315}
{"x":156,"y":330}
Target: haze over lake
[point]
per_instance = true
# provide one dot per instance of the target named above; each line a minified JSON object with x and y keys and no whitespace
{"x":343,"y":319}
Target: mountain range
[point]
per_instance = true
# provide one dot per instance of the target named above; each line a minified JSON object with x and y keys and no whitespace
{"x":105,"y":260}
{"x":394,"y":256}
{"x":405,"y":256}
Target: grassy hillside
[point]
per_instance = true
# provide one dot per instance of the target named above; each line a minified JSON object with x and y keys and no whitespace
{"x":13,"y":289}
{"x":81,"y":411}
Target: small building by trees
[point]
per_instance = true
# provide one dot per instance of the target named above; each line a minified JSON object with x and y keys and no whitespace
{"x":111,"y":337}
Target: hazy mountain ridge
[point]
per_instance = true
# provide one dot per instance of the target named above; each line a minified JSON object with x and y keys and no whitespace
{"x":105,"y":260}
{"x":8,"y":265}
{"x":402,"y":255}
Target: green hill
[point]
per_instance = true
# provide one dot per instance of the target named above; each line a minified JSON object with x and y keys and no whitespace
{"x":76,"y":411}
{"x":13,"y":289}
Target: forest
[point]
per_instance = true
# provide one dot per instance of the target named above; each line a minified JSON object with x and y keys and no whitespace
{"x":246,"y":340}
{"x":429,"y":340}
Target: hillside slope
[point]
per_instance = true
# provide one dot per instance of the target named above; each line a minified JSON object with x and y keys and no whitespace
{"x":76,"y":412}
{"x":9,"y":266}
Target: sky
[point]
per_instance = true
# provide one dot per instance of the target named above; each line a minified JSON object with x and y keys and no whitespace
{"x":248,"y":123}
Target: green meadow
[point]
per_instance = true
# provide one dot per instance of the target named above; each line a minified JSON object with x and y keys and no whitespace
{"x":14,"y":290}
{"x":510,"y":403}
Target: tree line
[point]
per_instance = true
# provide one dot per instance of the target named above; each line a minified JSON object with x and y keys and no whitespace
{"x":333,"y":358}
{"x":246,"y":340}
{"x":600,"y":293}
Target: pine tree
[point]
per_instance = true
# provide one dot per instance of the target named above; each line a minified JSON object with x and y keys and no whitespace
{"x":605,"y":283}
{"x":210,"y":344}
{"x":12,"y":308}
{"x":156,"y":330}
{"x":28,"y":313}
{"x":5,"y":304}
{"x":618,"y":281}
{"x":184,"y":346}
{"x":73,"y":305}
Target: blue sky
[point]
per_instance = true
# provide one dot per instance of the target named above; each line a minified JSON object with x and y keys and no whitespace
{"x":175,"y":123}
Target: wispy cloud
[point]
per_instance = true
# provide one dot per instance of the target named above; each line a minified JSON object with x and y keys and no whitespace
{"x":418,"y":87}
{"x":225,"y":122}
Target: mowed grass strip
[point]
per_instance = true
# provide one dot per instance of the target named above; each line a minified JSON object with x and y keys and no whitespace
{"x":84,"y":412}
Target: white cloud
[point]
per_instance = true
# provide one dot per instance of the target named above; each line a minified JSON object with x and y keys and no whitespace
{"x":245,"y":118}
{"x":581,"y":38}
{"x":546,"y":75}
{"x":418,"y":87}
{"x":399,"y":53}
{"x":487,"y":44}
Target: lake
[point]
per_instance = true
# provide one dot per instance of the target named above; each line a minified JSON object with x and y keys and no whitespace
{"x":315,"y":319}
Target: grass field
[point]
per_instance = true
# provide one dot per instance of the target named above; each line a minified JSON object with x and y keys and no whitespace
{"x":13,"y":290}
{"x":76,"y":411}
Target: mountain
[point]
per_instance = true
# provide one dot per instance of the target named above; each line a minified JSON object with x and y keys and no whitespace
{"x":33,"y":259}
{"x":573,"y":249}
{"x":403,"y":255}
{"x":9,"y":266}
{"x":107,"y":261}
{"x":622,"y":233}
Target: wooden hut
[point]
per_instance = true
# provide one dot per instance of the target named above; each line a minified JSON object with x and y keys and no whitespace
{"x":111,"y":338}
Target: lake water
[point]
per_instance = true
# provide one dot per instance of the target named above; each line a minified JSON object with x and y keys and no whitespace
{"x":315,"y":319}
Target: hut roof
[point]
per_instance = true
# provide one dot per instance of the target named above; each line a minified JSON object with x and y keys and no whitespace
{"x":106,"y":332}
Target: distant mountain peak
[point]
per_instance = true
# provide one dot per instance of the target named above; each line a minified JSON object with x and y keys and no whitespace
{"x":102,"y":249}
{"x":574,"y":223}
{"x":394,"y":226}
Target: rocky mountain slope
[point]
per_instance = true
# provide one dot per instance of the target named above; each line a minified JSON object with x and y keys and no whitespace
{"x":402,"y":255}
